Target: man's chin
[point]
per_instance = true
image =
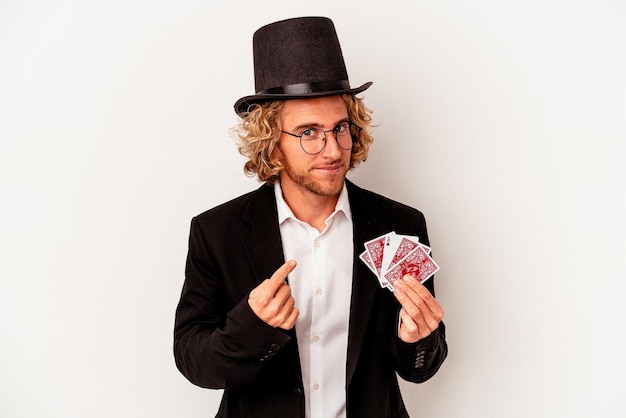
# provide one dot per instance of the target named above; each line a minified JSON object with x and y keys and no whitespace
{"x":325,"y":190}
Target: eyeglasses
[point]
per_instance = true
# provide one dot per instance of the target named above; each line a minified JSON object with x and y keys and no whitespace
{"x":313,"y":140}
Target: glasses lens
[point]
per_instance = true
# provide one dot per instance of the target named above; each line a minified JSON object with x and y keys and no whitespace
{"x":343,"y":136}
{"x":312,"y":140}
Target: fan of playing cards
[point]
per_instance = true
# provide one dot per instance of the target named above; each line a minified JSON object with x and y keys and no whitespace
{"x":392,"y":255}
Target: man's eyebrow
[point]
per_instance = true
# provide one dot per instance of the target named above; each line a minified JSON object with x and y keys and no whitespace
{"x":308,"y":125}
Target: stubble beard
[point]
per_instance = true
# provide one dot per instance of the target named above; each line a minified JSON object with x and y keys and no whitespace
{"x":303,"y":179}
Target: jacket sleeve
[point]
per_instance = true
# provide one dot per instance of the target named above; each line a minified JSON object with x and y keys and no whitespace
{"x":419,"y":361}
{"x":219,"y":342}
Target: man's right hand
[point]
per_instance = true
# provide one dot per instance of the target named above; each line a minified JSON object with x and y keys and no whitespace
{"x":272,"y":301}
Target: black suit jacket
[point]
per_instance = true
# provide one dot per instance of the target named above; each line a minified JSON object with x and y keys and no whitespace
{"x":220,"y":343}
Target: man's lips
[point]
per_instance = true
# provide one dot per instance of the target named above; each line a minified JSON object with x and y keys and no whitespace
{"x":334,"y":166}
{"x":330,"y":168}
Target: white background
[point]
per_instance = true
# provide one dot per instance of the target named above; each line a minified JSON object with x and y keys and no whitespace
{"x":502,"y":121}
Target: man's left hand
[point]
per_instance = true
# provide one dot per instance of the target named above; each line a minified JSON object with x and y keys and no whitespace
{"x":420,"y":313}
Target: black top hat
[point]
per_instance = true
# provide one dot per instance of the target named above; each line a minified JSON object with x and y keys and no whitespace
{"x":297,"y":58}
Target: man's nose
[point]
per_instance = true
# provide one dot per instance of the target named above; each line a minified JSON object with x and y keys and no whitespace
{"x":331,"y":148}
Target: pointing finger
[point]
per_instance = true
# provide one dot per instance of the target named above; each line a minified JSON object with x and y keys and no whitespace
{"x":280,"y":275}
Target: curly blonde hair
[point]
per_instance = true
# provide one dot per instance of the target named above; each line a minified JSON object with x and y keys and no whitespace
{"x":259,"y":131}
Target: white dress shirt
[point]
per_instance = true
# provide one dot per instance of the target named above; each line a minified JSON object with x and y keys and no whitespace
{"x":321,"y":285}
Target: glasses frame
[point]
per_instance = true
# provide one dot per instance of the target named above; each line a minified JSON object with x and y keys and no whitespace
{"x":350,"y":126}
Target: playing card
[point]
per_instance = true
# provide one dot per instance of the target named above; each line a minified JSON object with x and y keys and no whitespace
{"x":403,"y":245}
{"x":376,"y":249}
{"x":365,"y":257}
{"x":417,"y":263}
{"x":392,"y":240}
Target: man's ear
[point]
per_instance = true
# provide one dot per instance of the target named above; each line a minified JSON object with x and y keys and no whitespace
{"x":277,"y":153}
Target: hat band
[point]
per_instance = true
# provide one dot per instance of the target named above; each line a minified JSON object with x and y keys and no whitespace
{"x":309,"y":88}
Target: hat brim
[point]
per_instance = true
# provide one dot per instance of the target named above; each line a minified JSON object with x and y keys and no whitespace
{"x":245,"y":104}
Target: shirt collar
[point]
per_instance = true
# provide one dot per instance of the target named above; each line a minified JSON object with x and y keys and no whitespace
{"x":285,"y":212}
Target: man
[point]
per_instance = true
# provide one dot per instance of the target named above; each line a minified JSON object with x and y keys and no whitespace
{"x":277,"y":308}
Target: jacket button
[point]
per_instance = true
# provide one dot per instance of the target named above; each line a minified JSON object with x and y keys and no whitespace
{"x":274,"y":347}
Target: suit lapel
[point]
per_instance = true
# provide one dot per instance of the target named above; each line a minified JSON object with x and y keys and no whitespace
{"x":364,"y":286}
{"x":260,"y":236}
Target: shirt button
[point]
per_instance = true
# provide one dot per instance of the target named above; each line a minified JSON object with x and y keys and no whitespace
{"x":316,"y":338}
{"x":319,"y":291}
{"x":316,"y":386}
{"x":317,"y":244}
